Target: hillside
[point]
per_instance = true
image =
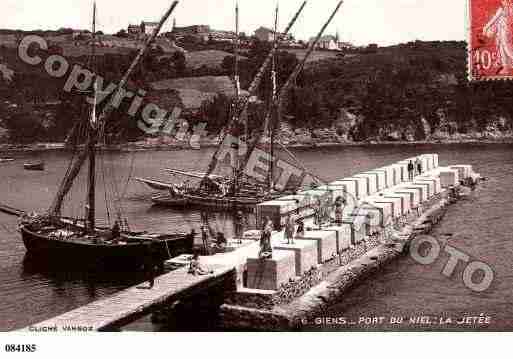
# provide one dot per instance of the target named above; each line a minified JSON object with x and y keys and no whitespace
{"x":207,"y":58}
{"x":316,"y":56}
{"x":415,"y":91}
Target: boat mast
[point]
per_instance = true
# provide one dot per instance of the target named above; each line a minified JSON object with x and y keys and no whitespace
{"x":251,"y":92}
{"x":290,"y":81}
{"x":93,"y":140}
{"x":67,"y":183}
{"x":274,"y":82}
{"x":237,"y":97}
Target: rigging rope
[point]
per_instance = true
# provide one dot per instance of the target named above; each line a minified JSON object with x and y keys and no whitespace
{"x":318,"y":179}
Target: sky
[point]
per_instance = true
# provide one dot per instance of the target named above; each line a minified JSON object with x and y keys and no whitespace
{"x":360,"y":22}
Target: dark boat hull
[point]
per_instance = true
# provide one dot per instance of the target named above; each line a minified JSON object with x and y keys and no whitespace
{"x":170,"y":201}
{"x":132,"y":255}
{"x":217,"y":203}
{"x":34,"y":166}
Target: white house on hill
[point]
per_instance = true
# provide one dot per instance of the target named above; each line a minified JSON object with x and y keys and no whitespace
{"x":148,"y":27}
{"x":330,"y":42}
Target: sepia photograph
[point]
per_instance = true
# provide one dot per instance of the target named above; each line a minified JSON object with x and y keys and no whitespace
{"x":231,"y":166}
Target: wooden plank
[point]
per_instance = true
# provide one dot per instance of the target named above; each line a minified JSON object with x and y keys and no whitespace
{"x":137,"y":300}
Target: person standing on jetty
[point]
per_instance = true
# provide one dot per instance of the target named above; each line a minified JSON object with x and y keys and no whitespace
{"x":318,"y":213}
{"x":239,"y":226}
{"x":266,"y":250}
{"x":340,"y":203}
{"x":300,"y":228}
{"x":290,"y":228}
{"x":419,"y":167}
{"x":411,"y":169}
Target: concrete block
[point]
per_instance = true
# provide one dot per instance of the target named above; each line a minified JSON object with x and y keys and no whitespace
{"x":277,"y":211}
{"x":345,"y":237}
{"x":396,"y":175}
{"x":424,"y":163}
{"x":304,"y":209}
{"x":336,"y":190}
{"x":414,"y":196}
{"x":404,"y":171}
{"x":403,"y":197}
{"x":314,"y":195}
{"x":435,"y":160}
{"x":435,"y":180}
{"x":360,"y":220}
{"x":350,"y":187}
{"x":449,"y":178}
{"x":326,"y":243}
{"x":430,"y":162}
{"x":360,"y":184}
{"x":429,"y":184}
{"x":381,"y":177}
{"x":397,"y":205}
{"x":389,"y":175}
{"x":270,"y":274}
{"x":464,"y":171}
{"x":380,"y":213}
{"x":372,"y":183}
{"x":422,"y":189}
{"x":354,"y":230}
{"x":305,"y":253}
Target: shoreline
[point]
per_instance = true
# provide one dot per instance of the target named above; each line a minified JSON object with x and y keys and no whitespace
{"x":130,"y":147}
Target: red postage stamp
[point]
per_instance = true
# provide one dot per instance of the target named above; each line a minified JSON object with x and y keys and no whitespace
{"x":491,"y":39}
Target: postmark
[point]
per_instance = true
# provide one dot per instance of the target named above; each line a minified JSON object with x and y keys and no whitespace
{"x":490,"y":40}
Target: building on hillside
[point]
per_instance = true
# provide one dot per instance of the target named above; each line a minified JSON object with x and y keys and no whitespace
{"x":192,"y":30}
{"x":327,"y":42}
{"x":221,"y":35}
{"x":346,"y":46}
{"x":76,"y":35}
{"x":147,"y":28}
{"x":267,"y":35}
{"x":330,"y":42}
{"x":134,"y":30}
{"x":200,"y":32}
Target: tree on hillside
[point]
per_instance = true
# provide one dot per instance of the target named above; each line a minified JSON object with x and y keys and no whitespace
{"x":122,"y":33}
{"x":180,"y":62}
{"x":216,"y":112}
{"x":248,"y":68}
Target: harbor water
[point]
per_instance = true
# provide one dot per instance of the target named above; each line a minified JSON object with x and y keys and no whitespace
{"x":480,"y":226}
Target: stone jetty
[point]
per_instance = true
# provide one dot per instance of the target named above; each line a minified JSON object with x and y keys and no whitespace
{"x":383,"y":210}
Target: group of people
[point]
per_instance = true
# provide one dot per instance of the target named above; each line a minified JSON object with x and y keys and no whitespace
{"x":294,"y":227}
{"x":414,"y":169}
{"x":219,"y":243}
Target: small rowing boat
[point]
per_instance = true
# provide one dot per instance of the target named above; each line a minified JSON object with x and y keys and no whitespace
{"x":36,"y":166}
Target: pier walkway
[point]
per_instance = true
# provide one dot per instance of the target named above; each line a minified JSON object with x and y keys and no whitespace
{"x":135,"y":302}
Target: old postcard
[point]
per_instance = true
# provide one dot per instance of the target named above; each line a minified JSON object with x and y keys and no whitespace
{"x":233,"y":166}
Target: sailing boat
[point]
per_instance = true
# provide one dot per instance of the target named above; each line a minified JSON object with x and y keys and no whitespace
{"x":80,"y":240}
{"x":234,"y":192}
{"x":239,"y":192}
